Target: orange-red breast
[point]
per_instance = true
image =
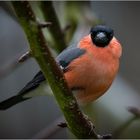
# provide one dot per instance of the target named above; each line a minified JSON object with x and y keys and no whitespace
{"x":93,"y":72}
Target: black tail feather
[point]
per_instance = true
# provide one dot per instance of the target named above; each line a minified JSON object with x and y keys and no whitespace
{"x":33,"y":84}
{"x":11,"y":102}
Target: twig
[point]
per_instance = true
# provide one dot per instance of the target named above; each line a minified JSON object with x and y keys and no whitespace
{"x":25,"y":56}
{"x":43,"y":24}
{"x":78,"y":123}
{"x":62,"y":124}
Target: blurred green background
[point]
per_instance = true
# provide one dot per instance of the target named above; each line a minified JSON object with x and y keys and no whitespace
{"x":109,"y":112}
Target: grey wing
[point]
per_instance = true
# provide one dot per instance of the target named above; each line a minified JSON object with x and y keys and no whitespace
{"x":68,"y":55}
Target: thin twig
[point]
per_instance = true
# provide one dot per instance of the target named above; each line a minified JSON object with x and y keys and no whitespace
{"x":43,"y":24}
{"x":25,"y":56}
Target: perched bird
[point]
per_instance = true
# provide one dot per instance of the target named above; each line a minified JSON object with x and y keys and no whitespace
{"x":89,"y":68}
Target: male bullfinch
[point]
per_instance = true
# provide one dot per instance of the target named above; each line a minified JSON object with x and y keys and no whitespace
{"x":89,"y":68}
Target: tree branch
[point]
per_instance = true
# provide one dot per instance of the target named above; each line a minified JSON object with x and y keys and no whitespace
{"x":78,"y":123}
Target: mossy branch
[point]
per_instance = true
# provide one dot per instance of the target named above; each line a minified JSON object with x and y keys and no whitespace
{"x":77,"y":122}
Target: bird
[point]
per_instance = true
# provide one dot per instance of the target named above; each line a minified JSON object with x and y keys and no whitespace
{"x":89,"y":67}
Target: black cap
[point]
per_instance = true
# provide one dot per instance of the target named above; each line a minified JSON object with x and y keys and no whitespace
{"x":101,"y":35}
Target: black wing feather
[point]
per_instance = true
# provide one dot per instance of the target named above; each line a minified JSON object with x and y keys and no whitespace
{"x":34,"y":83}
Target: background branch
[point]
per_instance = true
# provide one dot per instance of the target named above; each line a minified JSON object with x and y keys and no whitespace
{"x":55,"y":30}
{"x":136,"y":115}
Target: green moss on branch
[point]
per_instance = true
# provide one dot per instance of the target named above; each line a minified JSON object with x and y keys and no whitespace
{"x":78,"y":123}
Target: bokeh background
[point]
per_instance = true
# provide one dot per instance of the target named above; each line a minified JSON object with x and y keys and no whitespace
{"x":27,"y":119}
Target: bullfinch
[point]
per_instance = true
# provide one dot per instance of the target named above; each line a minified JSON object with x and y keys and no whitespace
{"x":89,"y":67}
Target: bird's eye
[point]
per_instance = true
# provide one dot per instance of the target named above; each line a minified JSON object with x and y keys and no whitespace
{"x":101,"y":35}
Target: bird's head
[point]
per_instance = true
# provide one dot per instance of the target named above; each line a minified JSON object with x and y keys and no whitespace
{"x":101,"y":35}
{"x":101,"y":40}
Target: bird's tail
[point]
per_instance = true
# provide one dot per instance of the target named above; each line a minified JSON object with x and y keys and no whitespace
{"x":11,"y":101}
{"x":23,"y":94}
